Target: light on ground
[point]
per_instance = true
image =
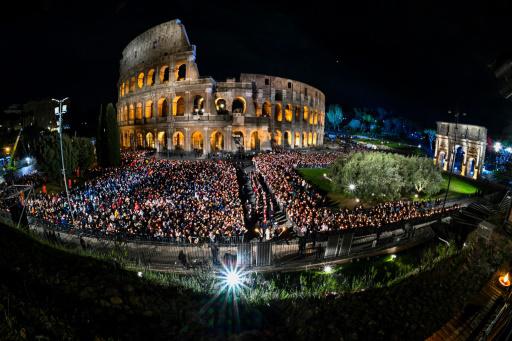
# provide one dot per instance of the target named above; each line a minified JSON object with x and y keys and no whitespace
{"x":328,"y":269}
{"x":232,"y":279}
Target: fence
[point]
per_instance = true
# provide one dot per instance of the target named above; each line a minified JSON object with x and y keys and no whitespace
{"x":254,"y":254}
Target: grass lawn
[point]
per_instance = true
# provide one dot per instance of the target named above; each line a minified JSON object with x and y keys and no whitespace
{"x":459,"y":187}
{"x":399,"y":146}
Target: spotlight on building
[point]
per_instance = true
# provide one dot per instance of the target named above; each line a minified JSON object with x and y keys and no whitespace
{"x":351,"y":187}
{"x":497,"y":147}
{"x":328,"y":269}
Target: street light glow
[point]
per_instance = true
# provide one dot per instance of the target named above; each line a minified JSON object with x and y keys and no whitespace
{"x":351,"y":187}
{"x":497,"y":147}
{"x":328,"y":269}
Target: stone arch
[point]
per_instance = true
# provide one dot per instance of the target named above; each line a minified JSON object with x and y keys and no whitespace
{"x":288,"y":113}
{"x":297,"y":139}
{"x":162,"y":139}
{"x":305,"y":115}
{"x":140,"y":80}
{"x":164,"y":74}
{"x":471,"y":167}
{"x":122,"y":89}
{"x":315,"y":119}
{"x":178,"y":140}
{"x":458,"y":159}
{"x":150,"y":140}
{"x":198,"y":105}
{"x":140,"y":140}
{"x":150,"y":80}
{"x":278,"y":139}
{"x":216,"y":141}
{"x":278,"y":112}
{"x":163,"y":107}
{"x":267,"y":109}
{"x":441,"y":159}
{"x":148,"y":112}
{"x":239,"y":139}
{"x":310,"y":138}
{"x":181,"y":73}
{"x":132,"y":84}
{"x":255,"y":141}
{"x":131,"y":114}
{"x":239,"y":105}
{"x":197,"y":141}
{"x":315,"y":136}
{"x":311,"y":117}
{"x":138,"y":113}
{"x":178,"y":106}
{"x":287,"y":138}
{"x":221,"y":106}
{"x":304,"y":139}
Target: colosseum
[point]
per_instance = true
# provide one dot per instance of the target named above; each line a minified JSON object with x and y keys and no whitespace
{"x":165,"y":104}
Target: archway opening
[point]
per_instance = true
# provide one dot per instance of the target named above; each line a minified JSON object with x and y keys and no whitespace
{"x":238,"y":106}
{"x":216,"y":141}
{"x":267,"y":109}
{"x":162,"y":139}
{"x":279,"y":112}
{"x":182,"y":72}
{"x":198,"y":105}
{"x":150,"y":141}
{"x":164,"y":74}
{"x":151,"y":77}
{"x":287,"y":139}
{"x":458,"y":160}
{"x":139,"y":111}
{"x":238,"y":139}
{"x":163,"y":107}
{"x":132,"y":112}
{"x":149,"y":109}
{"x":140,"y":80}
{"x":178,"y":106}
{"x":305,"y":116}
{"x":471,"y":168}
{"x":220,"y":105}
{"x":278,"y":138}
{"x":297,"y":139}
{"x":288,"y":113}
{"x":140,"y":140}
{"x":178,"y":140}
{"x":197,"y":141}
{"x":255,"y":141}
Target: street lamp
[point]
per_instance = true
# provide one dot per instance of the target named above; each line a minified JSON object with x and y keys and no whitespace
{"x":59,"y":111}
{"x":457,"y":115}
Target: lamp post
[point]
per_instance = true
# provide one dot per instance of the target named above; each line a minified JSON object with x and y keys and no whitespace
{"x":59,"y":111}
{"x":457,"y":115}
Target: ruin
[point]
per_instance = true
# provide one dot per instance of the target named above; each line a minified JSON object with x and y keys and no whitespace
{"x":460,"y":147}
{"x":165,"y":104}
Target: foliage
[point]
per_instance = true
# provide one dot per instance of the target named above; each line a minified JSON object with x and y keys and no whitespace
{"x":85,"y":149}
{"x":384,"y":176}
{"x":354,"y":124}
{"x":335,"y":116}
{"x":46,"y":149}
{"x":107,"y":141}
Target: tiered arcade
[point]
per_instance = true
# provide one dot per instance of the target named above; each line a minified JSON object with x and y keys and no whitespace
{"x":165,"y":104}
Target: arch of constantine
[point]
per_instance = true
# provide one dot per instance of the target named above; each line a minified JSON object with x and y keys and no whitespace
{"x":165,"y":104}
{"x":461,"y":146}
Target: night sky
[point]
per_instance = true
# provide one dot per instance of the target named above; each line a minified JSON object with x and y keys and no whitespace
{"x":416,"y":59}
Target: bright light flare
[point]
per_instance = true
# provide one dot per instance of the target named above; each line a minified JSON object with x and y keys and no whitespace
{"x":232,"y":278}
{"x":505,"y":280}
{"x":351,"y":187}
{"x":328,"y":269}
{"x":393,"y":257}
{"x":497,"y":147}
{"x":139,"y":274}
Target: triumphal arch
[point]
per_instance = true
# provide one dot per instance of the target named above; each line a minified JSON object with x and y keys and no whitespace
{"x":461,"y":148}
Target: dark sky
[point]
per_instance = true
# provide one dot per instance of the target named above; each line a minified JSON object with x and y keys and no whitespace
{"x":417,"y":59}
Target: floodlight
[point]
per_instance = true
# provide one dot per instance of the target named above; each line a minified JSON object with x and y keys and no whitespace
{"x":328,"y":269}
{"x":56,"y":110}
{"x":497,"y":147}
{"x":232,"y":278}
{"x":393,"y":257}
{"x":64,"y":108}
{"x":27,"y":159}
{"x":357,"y":200}
{"x":139,"y":274}
{"x":351,"y":187}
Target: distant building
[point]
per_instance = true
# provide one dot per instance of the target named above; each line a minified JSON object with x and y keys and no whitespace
{"x":165,"y":104}
{"x":503,"y":72}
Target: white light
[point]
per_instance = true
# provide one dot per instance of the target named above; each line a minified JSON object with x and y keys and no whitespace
{"x":415,"y":195}
{"x":56,"y":110}
{"x":419,"y":146}
{"x":139,"y":274}
{"x":393,"y":257}
{"x":351,"y":187}
{"x":232,"y":279}
{"x":508,"y":149}
{"x":357,"y":200}
{"x":325,"y":175}
{"x":497,"y":147}
{"x":27,"y":159}
{"x":64,"y":108}
{"x":328,"y":269}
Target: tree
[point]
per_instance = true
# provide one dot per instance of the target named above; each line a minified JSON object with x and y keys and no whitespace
{"x":354,"y":124}
{"x":431,"y":135}
{"x":46,"y":150}
{"x":335,"y":116}
{"x":383,"y":176}
{"x":85,"y":151}
{"x":107,"y":141}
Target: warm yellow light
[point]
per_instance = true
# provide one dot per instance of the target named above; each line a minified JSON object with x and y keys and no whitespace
{"x":505,"y":280}
{"x":7,"y":150}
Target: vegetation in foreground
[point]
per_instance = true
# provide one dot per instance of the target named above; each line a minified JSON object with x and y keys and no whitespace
{"x":48,"y":293}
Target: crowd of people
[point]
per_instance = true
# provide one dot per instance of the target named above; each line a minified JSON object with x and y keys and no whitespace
{"x":184,"y":201}
{"x":308,"y":209}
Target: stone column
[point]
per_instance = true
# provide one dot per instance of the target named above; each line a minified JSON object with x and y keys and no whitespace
{"x":228,"y":138}
{"x":206,"y":141}
{"x":188,"y":146}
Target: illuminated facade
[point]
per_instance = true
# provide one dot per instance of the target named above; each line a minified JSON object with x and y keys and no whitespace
{"x":461,"y":144}
{"x":164,"y":103}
